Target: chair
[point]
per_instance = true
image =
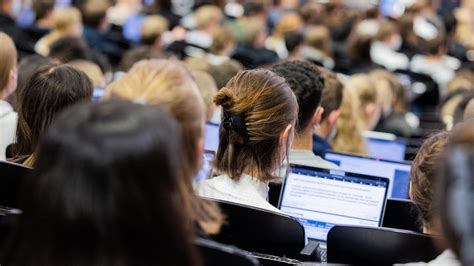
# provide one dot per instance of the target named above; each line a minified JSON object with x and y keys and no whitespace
{"x":424,"y":91}
{"x":261,"y":231}
{"x":401,"y":214}
{"x":274,"y":193}
{"x":378,"y":246}
{"x":216,"y":254}
{"x":11,"y":179}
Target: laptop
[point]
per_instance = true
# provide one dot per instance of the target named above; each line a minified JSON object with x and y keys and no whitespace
{"x":385,"y":146}
{"x":397,"y":172}
{"x":321,"y":198}
{"x":401,"y":214}
{"x":206,"y":170}
{"x":11,"y":181}
{"x":211,"y":140}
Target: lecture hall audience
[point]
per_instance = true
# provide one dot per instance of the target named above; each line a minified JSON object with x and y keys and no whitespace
{"x":286,"y":81}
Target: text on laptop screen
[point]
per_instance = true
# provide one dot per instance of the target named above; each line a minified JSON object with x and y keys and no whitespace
{"x":320,"y":200}
{"x":393,"y":150}
{"x":211,"y":141}
{"x":397,"y":172}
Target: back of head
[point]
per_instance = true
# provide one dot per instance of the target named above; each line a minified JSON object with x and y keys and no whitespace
{"x":331,"y":99}
{"x":318,"y":37}
{"x":386,"y":29}
{"x":293,"y":40}
{"x":69,"y":49}
{"x":94,"y":12}
{"x":223,"y":38}
{"x":42,"y":8}
{"x":207,"y":15}
{"x":455,"y":192}
{"x":50,"y":89}
{"x":223,"y":72}
{"x":92,"y":71}
{"x":307,"y":84}
{"x":152,"y":29}
{"x":169,"y":84}
{"x":253,"y":8}
{"x":63,"y":19}
{"x":423,"y":177}
{"x":96,"y":183}
{"x":8,"y":56}
{"x":288,"y":23}
{"x":206,"y":85}
{"x":258,"y":106}
{"x":367,"y":94}
{"x":135,"y":55}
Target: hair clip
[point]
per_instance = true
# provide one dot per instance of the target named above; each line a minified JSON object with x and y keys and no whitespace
{"x":236,"y":122}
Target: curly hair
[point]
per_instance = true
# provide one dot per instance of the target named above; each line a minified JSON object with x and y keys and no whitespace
{"x":307,"y":84}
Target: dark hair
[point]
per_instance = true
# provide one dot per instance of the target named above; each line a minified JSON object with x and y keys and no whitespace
{"x":69,"y":49}
{"x":307,"y":84}
{"x":293,"y":39}
{"x":257,"y":106}
{"x":51,"y":89}
{"x":94,"y":12}
{"x":223,"y":72}
{"x":42,"y":8}
{"x":106,"y":191}
{"x":138,"y":54}
{"x":423,"y":175}
{"x":331,"y":98}
{"x":454,"y":192}
{"x":254,"y":7}
{"x":432,"y":47}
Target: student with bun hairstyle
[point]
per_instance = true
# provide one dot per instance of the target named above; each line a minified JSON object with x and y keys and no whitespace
{"x":106,"y":191}
{"x":8,"y":84}
{"x":50,"y":89}
{"x":168,"y":83}
{"x":259,"y":116}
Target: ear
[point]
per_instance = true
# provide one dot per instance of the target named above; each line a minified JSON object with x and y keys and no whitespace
{"x":318,"y":115}
{"x":285,"y":135}
{"x":333,"y":116}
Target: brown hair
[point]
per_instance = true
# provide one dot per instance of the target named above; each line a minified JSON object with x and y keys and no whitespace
{"x":422,"y":176}
{"x":386,"y":29}
{"x":168,"y":83}
{"x":222,"y":39}
{"x":266,"y":105}
{"x":8,"y":55}
{"x":152,"y":29}
{"x":206,"y":15}
{"x":288,"y":23}
{"x":318,"y":37}
{"x":51,"y":89}
{"x":331,"y":99}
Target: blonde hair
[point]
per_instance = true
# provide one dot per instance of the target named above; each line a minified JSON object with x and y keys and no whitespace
{"x":168,"y":83}
{"x":8,"y":55}
{"x":91,"y":70}
{"x":366,"y":93}
{"x":349,"y":138}
{"x":206,"y":15}
{"x":152,"y":28}
{"x":265,"y":105}
{"x":288,"y":23}
{"x":208,"y":89}
{"x":63,"y":19}
{"x":318,"y":37}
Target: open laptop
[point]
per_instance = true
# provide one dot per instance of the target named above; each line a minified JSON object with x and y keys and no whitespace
{"x":321,"y":198}
{"x":397,"y":172}
{"x":206,"y":170}
{"x":385,"y":146}
{"x":211,"y":140}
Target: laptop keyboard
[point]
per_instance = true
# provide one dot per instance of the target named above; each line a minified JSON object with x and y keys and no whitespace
{"x":275,"y":258}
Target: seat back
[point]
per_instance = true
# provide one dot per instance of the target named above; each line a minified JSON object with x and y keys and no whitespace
{"x":11,"y":180}
{"x":378,"y":246}
{"x":261,"y":231}
{"x":216,"y":254}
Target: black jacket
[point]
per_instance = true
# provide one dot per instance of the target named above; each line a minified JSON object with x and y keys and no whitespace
{"x":24,"y":43}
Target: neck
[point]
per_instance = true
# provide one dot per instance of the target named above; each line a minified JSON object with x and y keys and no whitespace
{"x":253,"y":172}
{"x":304,"y":140}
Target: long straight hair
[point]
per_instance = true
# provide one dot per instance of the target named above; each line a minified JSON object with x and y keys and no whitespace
{"x":50,"y":89}
{"x":106,"y":191}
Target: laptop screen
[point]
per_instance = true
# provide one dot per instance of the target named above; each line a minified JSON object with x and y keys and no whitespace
{"x":393,"y":150}
{"x":397,"y":172}
{"x":206,"y":170}
{"x":211,"y":141}
{"x":321,"y":199}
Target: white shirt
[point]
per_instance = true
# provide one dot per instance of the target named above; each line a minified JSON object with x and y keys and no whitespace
{"x":447,"y":258}
{"x":8,"y":121}
{"x":442,"y":71}
{"x":246,"y":190}
{"x":382,"y":55}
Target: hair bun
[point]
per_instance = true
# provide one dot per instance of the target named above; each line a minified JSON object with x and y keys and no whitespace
{"x":225,"y":98}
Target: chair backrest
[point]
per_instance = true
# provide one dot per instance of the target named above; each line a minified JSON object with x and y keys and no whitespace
{"x":216,"y":254}
{"x":424,"y":90}
{"x":401,"y":214}
{"x":261,"y":231}
{"x":11,"y":179}
{"x":378,"y":246}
